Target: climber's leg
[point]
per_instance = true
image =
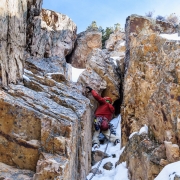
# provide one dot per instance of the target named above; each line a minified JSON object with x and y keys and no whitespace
{"x":96,"y":137}
{"x":112,"y":137}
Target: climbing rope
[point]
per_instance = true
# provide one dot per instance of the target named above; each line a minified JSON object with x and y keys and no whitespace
{"x":103,"y":154}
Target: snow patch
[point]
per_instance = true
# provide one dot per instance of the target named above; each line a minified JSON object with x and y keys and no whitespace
{"x":26,"y":78}
{"x":114,"y":59}
{"x":27,"y":71}
{"x":144,"y":129}
{"x":76,"y":73}
{"x":132,"y":134}
{"x":169,"y":171}
{"x":122,"y":43}
{"x":121,"y":172}
{"x":171,"y":36}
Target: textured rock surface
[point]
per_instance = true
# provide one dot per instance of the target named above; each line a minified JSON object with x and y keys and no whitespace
{"x":45,"y":122}
{"x":139,"y":154}
{"x":101,"y":68}
{"x":151,"y":85}
{"x":11,"y":173}
{"x":50,"y":34}
{"x":97,"y":156}
{"x":151,"y":91}
{"x":51,"y":126}
{"x":172,"y":151}
{"x":12,"y":40}
{"x":116,"y":44}
{"x":85,"y":43}
{"x":108,"y":166}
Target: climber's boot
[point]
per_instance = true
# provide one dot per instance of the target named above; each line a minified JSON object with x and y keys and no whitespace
{"x":116,"y":142}
{"x":96,"y":146}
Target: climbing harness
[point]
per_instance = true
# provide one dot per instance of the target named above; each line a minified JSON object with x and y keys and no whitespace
{"x":103,"y":154}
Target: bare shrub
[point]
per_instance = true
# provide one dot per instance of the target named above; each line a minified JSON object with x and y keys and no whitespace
{"x":149,"y":14}
{"x":173,"y":18}
{"x":160,"y":18}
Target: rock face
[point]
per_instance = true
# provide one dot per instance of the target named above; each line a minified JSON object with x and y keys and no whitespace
{"x":8,"y":172}
{"x":151,"y":92}
{"x":12,"y":40}
{"x":85,"y":43}
{"x":116,"y":44}
{"x":45,"y":121}
{"x":101,"y":74}
{"x":50,"y":34}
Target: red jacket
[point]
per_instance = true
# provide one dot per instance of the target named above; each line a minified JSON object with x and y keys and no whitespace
{"x":105,"y":109}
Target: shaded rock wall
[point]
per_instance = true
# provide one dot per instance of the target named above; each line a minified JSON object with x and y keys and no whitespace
{"x":151,"y":96}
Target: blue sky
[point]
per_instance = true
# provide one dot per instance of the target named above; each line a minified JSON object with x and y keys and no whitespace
{"x":106,"y":13}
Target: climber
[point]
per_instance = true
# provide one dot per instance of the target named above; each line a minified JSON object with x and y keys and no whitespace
{"x":103,"y":116}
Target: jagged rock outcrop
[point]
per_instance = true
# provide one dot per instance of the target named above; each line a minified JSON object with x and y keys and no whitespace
{"x":151,"y":91}
{"x":116,"y":44}
{"x":101,"y":68}
{"x":50,"y":34}
{"x":85,"y":43}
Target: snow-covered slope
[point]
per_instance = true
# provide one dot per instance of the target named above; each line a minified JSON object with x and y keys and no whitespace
{"x":169,"y":172}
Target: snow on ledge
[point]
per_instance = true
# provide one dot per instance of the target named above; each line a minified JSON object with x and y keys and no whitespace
{"x":132,"y":134}
{"x":76,"y":73}
{"x":114,"y":59}
{"x":171,"y":36}
{"x":169,"y":171}
{"x":144,"y":129}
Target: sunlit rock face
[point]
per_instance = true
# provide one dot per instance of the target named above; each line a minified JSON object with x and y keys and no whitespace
{"x":101,"y":74}
{"x":85,"y":43}
{"x":50,"y":34}
{"x":45,"y":121}
{"x":151,"y":93}
{"x":116,"y":44}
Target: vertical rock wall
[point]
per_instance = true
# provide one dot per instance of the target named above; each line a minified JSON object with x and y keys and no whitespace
{"x":12,"y":40}
{"x":45,"y":122}
{"x":151,"y":97}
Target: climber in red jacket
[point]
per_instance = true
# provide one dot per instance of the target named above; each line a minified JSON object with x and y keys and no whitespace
{"x":103,"y":116}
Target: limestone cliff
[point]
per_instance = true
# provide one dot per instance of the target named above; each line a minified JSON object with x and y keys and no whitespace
{"x":151,"y":97}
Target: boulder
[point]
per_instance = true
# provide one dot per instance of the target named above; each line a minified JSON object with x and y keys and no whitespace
{"x":108,"y":166}
{"x":100,"y":64}
{"x":85,"y":43}
{"x":172,"y":152}
{"x":115,"y":40}
{"x":95,"y":170}
{"x":98,"y":156}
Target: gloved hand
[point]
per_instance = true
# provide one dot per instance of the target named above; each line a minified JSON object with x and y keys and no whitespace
{"x":89,"y":88}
